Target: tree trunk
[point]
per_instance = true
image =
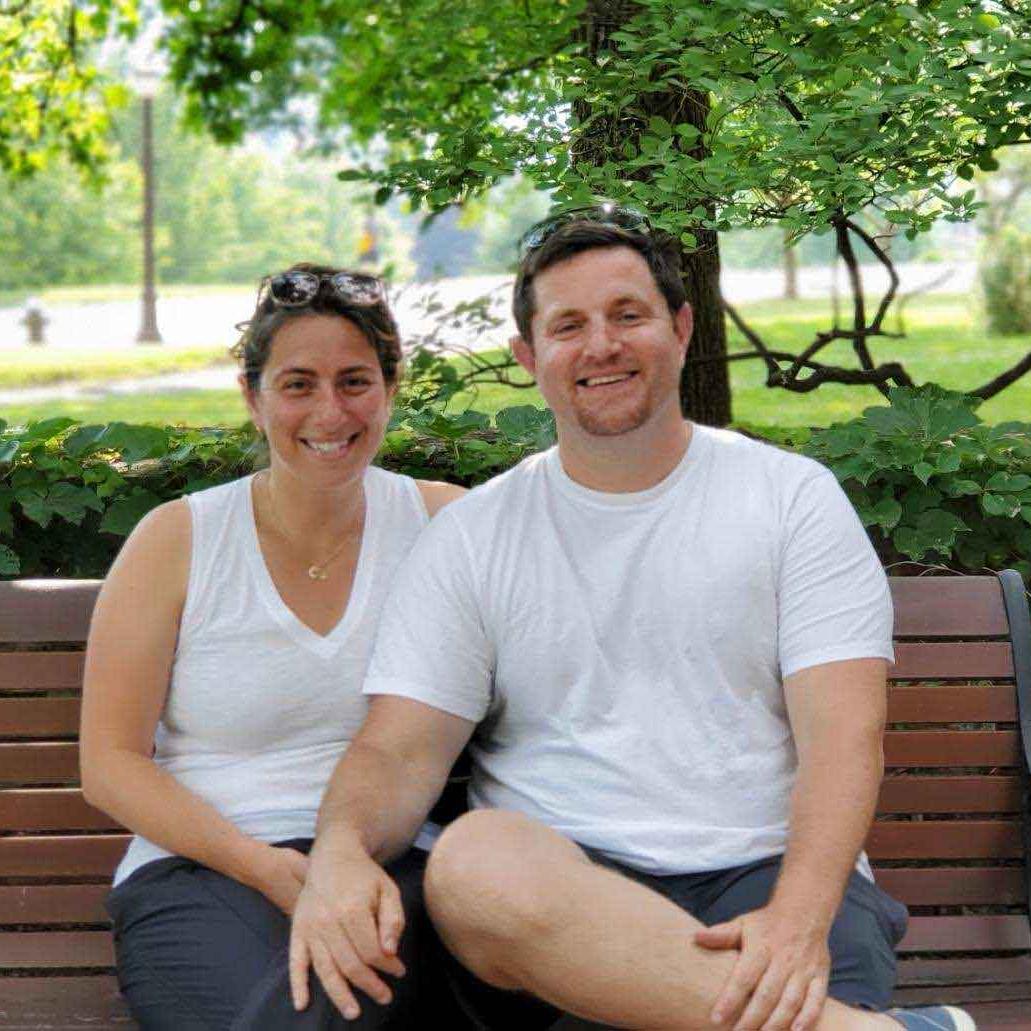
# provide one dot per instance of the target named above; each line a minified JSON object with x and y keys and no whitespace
{"x":705,"y":385}
{"x":790,"y":271}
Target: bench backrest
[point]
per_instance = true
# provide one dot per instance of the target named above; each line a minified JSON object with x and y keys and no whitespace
{"x":951,"y":838}
{"x":952,"y":833}
{"x":57,"y":853}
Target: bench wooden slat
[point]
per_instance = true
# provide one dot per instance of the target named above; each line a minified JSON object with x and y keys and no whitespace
{"x":945,"y":839}
{"x":63,"y":1003}
{"x":39,"y":717}
{"x":962,"y":606}
{"x":53,"y":904}
{"x":955,"y":886}
{"x":40,"y":671}
{"x":969,"y":970}
{"x":952,"y":705}
{"x":986,"y":998}
{"x":952,"y":660}
{"x":966,"y":934}
{"x":21,"y":950}
{"x":940,"y":748}
{"x":42,"y":762}
{"x":46,"y":610}
{"x":85,"y":855}
{"x":51,"y":809}
{"x":908,"y":794}
{"x":1002,"y":1016}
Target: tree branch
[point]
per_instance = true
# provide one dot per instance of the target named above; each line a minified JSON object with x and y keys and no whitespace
{"x":1003,"y":380}
{"x":893,"y":276}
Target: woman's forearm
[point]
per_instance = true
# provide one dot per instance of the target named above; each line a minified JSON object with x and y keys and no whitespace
{"x":149,"y":801}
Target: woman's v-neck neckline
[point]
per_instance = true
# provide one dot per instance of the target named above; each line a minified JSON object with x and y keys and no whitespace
{"x":327,"y":644}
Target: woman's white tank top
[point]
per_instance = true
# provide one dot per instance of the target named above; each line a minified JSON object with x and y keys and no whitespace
{"x":260,"y":707}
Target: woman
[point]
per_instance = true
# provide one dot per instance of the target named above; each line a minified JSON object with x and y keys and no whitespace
{"x":225,"y":663}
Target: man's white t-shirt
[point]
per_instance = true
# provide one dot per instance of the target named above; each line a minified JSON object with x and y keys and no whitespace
{"x":623,"y":653}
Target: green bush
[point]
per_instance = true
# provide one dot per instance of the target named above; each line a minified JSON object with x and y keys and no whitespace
{"x":1006,"y":282}
{"x":69,"y":494}
{"x":933,"y":484}
{"x":930,"y":481}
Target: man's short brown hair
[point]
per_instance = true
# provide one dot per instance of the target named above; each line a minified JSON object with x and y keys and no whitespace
{"x":658,"y":250}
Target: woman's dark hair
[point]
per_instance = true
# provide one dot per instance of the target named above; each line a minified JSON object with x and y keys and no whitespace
{"x":657,"y":249}
{"x":375,"y":321}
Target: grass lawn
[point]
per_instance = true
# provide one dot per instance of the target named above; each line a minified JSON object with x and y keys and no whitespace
{"x":186,"y":407}
{"x":944,"y":343}
{"x":33,"y":367}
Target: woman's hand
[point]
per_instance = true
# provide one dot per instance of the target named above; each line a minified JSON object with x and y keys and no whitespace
{"x":280,"y":875}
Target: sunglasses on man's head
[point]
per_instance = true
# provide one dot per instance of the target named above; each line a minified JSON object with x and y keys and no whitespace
{"x":297,"y":288}
{"x":601,"y":214}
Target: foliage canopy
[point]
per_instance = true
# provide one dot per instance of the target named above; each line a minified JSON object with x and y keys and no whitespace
{"x":816,"y":107}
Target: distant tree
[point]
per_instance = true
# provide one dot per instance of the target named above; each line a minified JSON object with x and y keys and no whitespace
{"x":56,"y":230}
{"x":54,"y":103}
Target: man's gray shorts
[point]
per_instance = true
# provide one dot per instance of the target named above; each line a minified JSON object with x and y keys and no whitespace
{"x":862,"y":941}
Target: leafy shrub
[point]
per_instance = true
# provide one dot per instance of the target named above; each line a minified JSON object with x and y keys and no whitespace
{"x":69,"y":493}
{"x":1006,"y":282}
{"x":932,"y":483}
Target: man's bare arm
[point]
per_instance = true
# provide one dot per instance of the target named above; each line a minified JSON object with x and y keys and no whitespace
{"x":837,"y":714}
{"x":349,"y":920}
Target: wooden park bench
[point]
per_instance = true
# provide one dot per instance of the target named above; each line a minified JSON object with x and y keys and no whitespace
{"x":952,"y":838}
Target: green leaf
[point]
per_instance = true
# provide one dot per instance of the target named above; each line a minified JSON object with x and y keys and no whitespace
{"x":9,"y":564}
{"x":885,"y":514}
{"x":923,"y":471}
{"x":135,"y":443}
{"x":961,"y":488}
{"x":998,"y":505}
{"x":71,"y":502}
{"x":1007,"y":483}
{"x":124,"y":514}
{"x":6,"y":519}
{"x":34,"y":506}
{"x":47,"y":429}
{"x":84,"y":440}
{"x":524,"y":422}
{"x":8,"y":450}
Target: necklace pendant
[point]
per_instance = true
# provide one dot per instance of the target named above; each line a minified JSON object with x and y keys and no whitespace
{"x":317,"y":573}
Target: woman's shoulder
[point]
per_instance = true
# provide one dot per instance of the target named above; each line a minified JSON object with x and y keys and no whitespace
{"x":433,"y":495}
{"x":437,"y":493}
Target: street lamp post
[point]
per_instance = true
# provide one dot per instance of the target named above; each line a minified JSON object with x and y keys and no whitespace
{"x":147,"y":80}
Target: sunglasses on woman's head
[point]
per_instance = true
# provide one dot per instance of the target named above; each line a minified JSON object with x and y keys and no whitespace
{"x":297,"y":288}
{"x":601,"y":214}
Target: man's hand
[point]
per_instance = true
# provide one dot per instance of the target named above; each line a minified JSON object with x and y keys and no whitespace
{"x":780,"y":978}
{"x":280,"y":876}
{"x":347,"y":925}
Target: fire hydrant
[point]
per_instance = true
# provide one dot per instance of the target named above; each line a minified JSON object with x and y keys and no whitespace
{"x":34,"y":320}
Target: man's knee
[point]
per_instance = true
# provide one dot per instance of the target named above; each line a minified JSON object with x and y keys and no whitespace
{"x":486,"y":887}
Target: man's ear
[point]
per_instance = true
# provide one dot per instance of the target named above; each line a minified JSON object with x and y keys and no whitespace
{"x":523,"y":353}
{"x":683,"y":326}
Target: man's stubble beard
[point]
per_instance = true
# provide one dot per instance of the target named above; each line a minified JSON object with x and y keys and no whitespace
{"x":609,"y":423}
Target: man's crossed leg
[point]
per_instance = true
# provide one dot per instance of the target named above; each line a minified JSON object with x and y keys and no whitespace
{"x":530,"y":913}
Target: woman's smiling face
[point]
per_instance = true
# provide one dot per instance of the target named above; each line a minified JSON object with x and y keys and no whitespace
{"x":322,"y":401}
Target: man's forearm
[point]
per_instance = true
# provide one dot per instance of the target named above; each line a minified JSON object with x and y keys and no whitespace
{"x":832,"y":806}
{"x":375,"y":802}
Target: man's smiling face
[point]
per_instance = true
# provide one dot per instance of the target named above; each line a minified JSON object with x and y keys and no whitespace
{"x":606,"y":351}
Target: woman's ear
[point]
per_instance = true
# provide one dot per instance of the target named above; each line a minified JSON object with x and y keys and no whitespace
{"x":250,"y":399}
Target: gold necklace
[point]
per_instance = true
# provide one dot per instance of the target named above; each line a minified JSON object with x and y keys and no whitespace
{"x":317,"y":570}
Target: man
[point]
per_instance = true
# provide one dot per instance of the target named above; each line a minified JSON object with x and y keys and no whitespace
{"x":671,"y":644}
